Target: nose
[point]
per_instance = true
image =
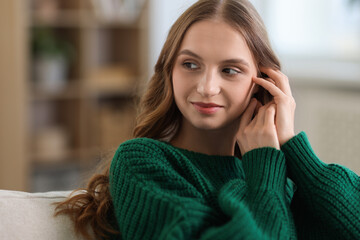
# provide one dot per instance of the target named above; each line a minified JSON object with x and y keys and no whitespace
{"x":209,"y":84}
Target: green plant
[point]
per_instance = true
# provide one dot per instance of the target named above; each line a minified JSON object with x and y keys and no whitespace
{"x":45,"y":43}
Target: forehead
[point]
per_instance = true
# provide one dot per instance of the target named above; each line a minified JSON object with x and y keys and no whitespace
{"x":216,"y":36}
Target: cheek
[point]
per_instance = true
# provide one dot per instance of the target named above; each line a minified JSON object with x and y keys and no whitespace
{"x":239,"y":92}
{"x":240,"y":96}
{"x":182,"y":83}
{"x":240,"y":102}
{"x":180,"y":86}
{"x":176,"y":82}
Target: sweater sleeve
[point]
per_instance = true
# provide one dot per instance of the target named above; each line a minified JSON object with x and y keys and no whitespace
{"x":153,"y":201}
{"x":257,"y":206}
{"x":327,"y":201}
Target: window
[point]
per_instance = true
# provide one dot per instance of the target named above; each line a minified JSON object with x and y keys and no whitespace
{"x":321,"y":28}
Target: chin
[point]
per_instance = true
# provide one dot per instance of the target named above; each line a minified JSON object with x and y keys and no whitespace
{"x":208,"y":125}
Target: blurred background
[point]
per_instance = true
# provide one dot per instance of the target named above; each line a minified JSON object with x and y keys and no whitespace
{"x":71,"y":71}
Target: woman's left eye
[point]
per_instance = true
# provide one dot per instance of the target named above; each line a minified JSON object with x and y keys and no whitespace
{"x":230,"y":71}
{"x":190,"y":65}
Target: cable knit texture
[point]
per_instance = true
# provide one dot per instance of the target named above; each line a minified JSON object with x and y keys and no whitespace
{"x":327,"y":202}
{"x":163,"y":192}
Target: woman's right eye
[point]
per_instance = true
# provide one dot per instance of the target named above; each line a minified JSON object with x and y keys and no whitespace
{"x":190,"y":65}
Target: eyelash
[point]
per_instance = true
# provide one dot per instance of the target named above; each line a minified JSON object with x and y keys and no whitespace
{"x":186,"y":65}
{"x":231,"y":69}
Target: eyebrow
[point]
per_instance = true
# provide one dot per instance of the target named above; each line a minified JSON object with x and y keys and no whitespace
{"x":233,"y":60}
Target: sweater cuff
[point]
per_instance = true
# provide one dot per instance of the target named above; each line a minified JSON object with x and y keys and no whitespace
{"x":265,"y":168}
{"x":301,"y":160}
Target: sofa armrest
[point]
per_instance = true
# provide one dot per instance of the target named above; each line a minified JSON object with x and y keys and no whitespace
{"x":30,"y":216}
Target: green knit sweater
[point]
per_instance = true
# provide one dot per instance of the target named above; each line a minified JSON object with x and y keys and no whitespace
{"x":163,"y":192}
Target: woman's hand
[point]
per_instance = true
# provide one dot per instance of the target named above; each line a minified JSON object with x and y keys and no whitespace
{"x":278,"y":86}
{"x":259,"y":131}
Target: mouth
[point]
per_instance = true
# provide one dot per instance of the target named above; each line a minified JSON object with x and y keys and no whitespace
{"x":206,"y":108}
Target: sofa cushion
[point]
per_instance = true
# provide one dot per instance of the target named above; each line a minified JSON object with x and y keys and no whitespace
{"x":30,"y":216}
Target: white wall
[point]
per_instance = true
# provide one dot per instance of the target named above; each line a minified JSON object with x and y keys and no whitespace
{"x":325,"y":28}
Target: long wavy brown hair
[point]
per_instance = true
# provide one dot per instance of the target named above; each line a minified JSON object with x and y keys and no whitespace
{"x":159,"y":117}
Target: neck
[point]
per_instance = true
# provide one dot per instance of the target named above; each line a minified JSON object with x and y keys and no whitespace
{"x":212,"y":142}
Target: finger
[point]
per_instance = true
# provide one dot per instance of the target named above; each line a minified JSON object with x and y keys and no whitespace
{"x":260,"y":117}
{"x":270,"y":80}
{"x":272,"y":88}
{"x":247,"y":115}
{"x":258,"y":106}
{"x":281,"y":80}
{"x":270,"y":115}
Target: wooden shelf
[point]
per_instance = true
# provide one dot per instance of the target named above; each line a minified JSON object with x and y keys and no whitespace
{"x":69,"y":156}
{"x":71,"y":91}
{"x":80,"y":19}
{"x":65,"y":18}
{"x":53,"y":135}
{"x":94,"y":110}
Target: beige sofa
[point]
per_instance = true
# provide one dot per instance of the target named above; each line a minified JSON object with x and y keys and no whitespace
{"x":29,"y":216}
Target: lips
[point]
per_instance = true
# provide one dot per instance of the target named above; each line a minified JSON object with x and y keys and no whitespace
{"x":206,"y":105}
{"x":206,"y":108}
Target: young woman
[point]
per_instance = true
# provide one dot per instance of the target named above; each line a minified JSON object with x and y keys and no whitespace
{"x":213,"y":154}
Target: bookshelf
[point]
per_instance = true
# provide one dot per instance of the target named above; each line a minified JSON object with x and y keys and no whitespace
{"x":85,"y":69}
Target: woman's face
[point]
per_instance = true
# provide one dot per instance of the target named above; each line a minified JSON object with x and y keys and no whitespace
{"x":212,"y":75}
